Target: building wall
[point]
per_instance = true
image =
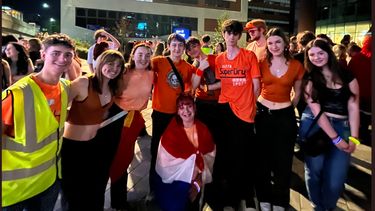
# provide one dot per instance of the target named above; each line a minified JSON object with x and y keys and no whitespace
{"x":339,"y":17}
{"x":12,"y":25}
{"x":276,"y":13}
{"x":68,"y":9}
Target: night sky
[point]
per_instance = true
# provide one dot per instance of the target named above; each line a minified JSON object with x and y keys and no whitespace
{"x":33,"y":10}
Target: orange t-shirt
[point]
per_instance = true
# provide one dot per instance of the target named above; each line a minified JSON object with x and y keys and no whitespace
{"x":138,"y":86}
{"x":52,"y":94}
{"x":236,"y":82}
{"x":259,"y":51}
{"x":278,"y":89}
{"x":166,"y":85}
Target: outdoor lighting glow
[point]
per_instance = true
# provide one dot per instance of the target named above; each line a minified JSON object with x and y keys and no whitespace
{"x":52,"y":20}
{"x":45,"y":5}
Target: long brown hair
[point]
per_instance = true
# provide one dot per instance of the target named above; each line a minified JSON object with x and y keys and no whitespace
{"x":315,"y":74}
{"x":114,"y":84}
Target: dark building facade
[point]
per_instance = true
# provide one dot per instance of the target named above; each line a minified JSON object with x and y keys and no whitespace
{"x":276,"y":13}
{"x":339,"y":17}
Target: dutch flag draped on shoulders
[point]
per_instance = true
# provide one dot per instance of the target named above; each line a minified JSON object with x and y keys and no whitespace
{"x":176,"y":159}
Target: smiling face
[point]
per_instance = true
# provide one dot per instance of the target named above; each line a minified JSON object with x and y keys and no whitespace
{"x":176,"y":48}
{"x":194,"y":50}
{"x":142,"y":57}
{"x":57,"y":58}
{"x":276,"y":45}
{"x":318,"y":57}
{"x":255,"y":33}
{"x":186,"y":111}
{"x":112,"y":69}
{"x":11,"y":51}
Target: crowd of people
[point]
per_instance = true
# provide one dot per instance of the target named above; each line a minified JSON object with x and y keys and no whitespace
{"x":224,"y":120}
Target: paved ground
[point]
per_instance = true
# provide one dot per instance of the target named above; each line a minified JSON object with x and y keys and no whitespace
{"x":356,"y":197}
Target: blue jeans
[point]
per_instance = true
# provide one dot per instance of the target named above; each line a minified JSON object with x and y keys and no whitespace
{"x":326,"y":174}
{"x":44,"y":201}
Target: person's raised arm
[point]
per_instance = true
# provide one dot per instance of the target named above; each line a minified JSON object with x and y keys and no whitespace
{"x":116,"y":43}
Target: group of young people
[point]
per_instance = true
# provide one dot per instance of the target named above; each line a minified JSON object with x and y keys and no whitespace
{"x":224,"y":127}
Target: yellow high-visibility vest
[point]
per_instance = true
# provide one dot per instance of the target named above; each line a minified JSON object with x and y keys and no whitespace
{"x":30,"y":159}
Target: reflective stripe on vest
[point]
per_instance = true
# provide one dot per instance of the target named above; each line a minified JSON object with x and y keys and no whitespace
{"x":31,"y":144}
{"x":23,"y":173}
{"x":31,"y":137}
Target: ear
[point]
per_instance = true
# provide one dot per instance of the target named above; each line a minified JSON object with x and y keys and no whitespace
{"x":262,"y":31}
{"x":42,"y":54}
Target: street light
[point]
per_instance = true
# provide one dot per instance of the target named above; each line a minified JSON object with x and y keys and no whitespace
{"x":45,"y":5}
{"x":52,"y":20}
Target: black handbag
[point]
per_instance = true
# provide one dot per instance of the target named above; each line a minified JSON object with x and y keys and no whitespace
{"x":318,"y":142}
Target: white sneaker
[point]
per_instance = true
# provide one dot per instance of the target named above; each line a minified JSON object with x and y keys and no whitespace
{"x":265,"y":206}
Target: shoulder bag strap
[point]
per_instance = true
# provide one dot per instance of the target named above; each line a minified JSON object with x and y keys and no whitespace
{"x":177,"y":74}
{"x":315,"y":121}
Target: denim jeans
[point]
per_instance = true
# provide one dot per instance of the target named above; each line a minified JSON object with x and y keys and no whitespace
{"x":45,"y":201}
{"x":326,"y":174}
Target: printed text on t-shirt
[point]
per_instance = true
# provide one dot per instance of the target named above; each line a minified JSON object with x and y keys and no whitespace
{"x":238,"y":76}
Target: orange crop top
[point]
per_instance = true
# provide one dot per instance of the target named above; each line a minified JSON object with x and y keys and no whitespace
{"x":278,"y":89}
{"x":88,"y":111}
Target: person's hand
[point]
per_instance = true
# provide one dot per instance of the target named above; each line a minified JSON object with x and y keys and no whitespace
{"x":203,"y":64}
{"x":345,"y":146}
{"x":351,"y":147}
{"x":193,"y":192}
{"x":195,"y":187}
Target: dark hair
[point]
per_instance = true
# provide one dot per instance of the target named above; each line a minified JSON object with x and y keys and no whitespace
{"x":184,"y":98}
{"x":22,"y":62}
{"x":206,"y":38}
{"x":131,"y":63}
{"x":175,"y":36}
{"x":100,"y":48}
{"x":280,"y":33}
{"x":353,"y":47}
{"x":35,"y":44}
{"x":8,"y":38}
{"x":305,"y":37}
{"x":191,"y":41}
{"x":128,"y":49}
{"x":114,"y":84}
{"x":315,"y":73}
{"x":221,"y":46}
{"x":58,"y":39}
{"x":345,"y":39}
{"x":159,"y":49}
{"x":325,"y":37}
{"x":232,"y":26}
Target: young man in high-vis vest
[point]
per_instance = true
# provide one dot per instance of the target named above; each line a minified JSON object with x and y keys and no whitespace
{"x":33,"y":114}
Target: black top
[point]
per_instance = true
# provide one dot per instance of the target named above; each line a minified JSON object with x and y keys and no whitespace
{"x":336,"y":100}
